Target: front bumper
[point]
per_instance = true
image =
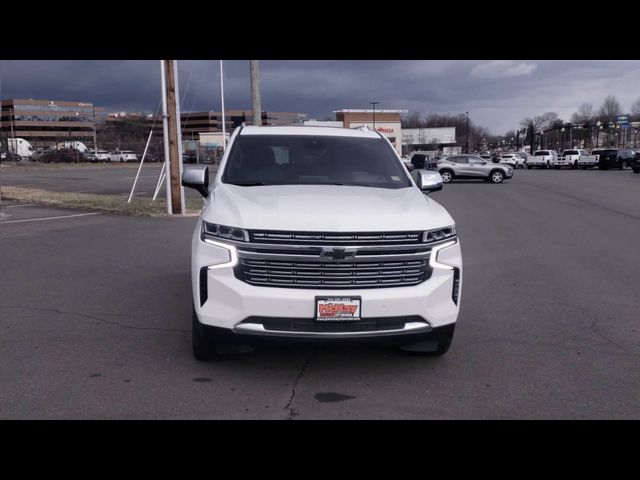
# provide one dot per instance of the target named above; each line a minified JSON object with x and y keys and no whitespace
{"x":220,"y":334}
{"x":224,"y":302}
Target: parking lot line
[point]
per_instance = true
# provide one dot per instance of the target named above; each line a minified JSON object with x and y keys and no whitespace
{"x":51,"y":218}
{"x":25,"y":205}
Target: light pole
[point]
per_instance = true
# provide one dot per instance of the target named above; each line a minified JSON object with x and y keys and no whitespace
{"x":224,"y":130}
{"x":562,"y":130}
{"x":374,"y":114}
{"x":467,"y":132}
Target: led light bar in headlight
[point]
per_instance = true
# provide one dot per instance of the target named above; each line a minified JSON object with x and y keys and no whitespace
{"x":213,"y":231}
{"x":439,"y":234}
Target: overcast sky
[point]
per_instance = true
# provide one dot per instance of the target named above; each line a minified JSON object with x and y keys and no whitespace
{"x":497,"y":94}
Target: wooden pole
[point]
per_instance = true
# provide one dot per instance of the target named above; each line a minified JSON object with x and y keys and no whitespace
{"x":255,"y":93}
{"x":174,"y":153}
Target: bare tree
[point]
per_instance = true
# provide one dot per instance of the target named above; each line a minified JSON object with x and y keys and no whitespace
{"x":610,"y":109}
{"x":584,"y":114}
{"x":549,"y":119}
{"x":537,"y":122}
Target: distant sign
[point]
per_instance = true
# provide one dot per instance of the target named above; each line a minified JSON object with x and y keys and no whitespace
{"x":622,"y":119}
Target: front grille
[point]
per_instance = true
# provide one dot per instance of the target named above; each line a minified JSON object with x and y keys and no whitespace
{"x":337,"y":275}
{"x":334,"y":238}
{"x":333,"y":260}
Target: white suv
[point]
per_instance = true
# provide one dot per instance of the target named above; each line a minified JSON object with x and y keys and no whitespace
{"x":321,"y":233}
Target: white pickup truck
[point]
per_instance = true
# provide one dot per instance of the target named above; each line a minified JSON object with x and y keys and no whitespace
{"x":576,"y":158}
{"x":542,"y":159}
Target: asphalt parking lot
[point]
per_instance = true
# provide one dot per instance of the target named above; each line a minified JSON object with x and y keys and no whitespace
{"x":95,"y":318}
{"x":99,"y":179}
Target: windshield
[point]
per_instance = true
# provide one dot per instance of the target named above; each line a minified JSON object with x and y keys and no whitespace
{"x":540,"y":153}
{"x":313,"y":160}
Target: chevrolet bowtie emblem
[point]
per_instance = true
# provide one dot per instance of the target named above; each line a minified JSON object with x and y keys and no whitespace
{"x":338,"y":253}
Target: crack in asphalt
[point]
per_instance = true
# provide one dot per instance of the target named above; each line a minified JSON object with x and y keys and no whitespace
{"x":99,"y":319}
{"x":303,"y":369}
{"x":593,"y":327}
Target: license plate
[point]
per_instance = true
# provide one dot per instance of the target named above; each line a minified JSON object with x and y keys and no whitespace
{"x":337,"y":309}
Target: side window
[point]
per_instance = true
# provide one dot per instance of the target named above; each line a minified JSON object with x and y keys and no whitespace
{"x":418,"y":160}
{"x":462,"y":160}
{"x":475,"y":161}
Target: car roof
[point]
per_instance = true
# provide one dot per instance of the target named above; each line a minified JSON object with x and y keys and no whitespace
{"x":304,"y":130}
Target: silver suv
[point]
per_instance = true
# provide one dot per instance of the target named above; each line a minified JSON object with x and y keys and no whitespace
{"x":471,"y":166}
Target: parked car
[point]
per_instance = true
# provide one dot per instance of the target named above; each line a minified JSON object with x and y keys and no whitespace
{"x":99,"y":156}
{"x":63,"y":155}
{"x":123,"y":156}
{"x":542,"y":159}
{"x":512,"y":159}
{"x":608,"y":158}
{"x":626,"y":156}
{"x":635,"y":162}
{"x":299,"y":238}
{"x":471,"y":166}
{"x":574,"y":158}
{"x":422,"y":161}
{"x":189,"y":158}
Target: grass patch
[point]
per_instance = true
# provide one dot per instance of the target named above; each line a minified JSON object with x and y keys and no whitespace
{"x":106,"y":203}
{"x":27,"y":165}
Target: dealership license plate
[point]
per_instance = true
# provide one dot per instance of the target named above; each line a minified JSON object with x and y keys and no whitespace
{"x":337,"y":309}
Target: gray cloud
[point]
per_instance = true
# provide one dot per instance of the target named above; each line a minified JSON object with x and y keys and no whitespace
{"x":498,"y":94}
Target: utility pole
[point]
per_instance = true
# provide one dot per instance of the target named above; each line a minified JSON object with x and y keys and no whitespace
{"x":172,"y":137}
{"x":255,"y":93}
{"x":224,"y":130}
{"x":467,"y":132}
{"x":95,"y":141}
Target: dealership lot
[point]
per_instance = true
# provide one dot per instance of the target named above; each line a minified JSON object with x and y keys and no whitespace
{"x":95,"y":179}
{"x":95,"y":316}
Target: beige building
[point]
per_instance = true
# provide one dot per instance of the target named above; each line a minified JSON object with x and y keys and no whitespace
{"x":386,"y":122}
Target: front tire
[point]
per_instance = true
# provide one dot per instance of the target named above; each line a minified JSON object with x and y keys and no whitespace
{"x":447,"y":176}
{"x":203,"y":349}
{"x":429,"y":348}
{"x":496,"y":176}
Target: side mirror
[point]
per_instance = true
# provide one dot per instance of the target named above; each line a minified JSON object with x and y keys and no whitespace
{"x":427,"y":180}
{"x":197,"y":178}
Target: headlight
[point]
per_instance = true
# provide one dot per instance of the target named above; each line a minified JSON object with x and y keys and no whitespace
{"x":439,"y":234}
{"x":213,"y":231}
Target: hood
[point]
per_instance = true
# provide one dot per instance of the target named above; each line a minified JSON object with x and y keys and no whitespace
{"x":324,"y":208}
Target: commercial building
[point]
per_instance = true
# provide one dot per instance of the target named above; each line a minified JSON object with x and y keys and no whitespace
{"x":194,"y":123}
{"x":44,"y":123}
{"x":386,"y":122}
{"x":432,"y":139}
